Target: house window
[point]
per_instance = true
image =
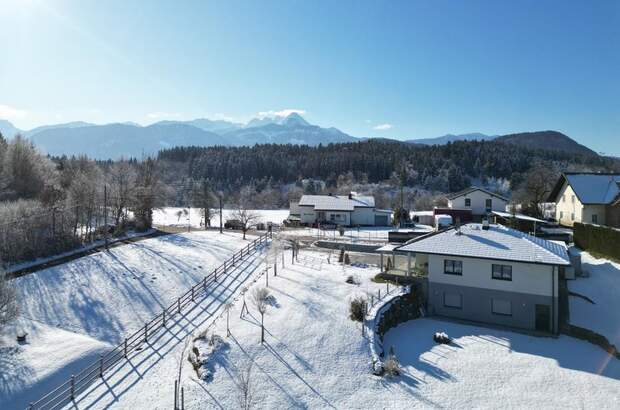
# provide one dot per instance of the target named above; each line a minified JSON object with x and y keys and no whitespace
{"x":561,"y":214}
{"x":502,"y":272}
{"x":489,"y":204}
{"x":452,"y":267}
{"x":453,"y":300}
{"x":572,"y":198}
{"x":563,"y":198}
{"x":332,"y":217}
{"x":501,"y":307}
{"x":594,"y":218}
{"x":468,"y":202}
{"x":572,"y":216}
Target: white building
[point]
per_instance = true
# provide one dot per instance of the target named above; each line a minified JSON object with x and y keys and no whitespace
{"x":478,"y":200}
{"x":587,"y":198}
{"x":344,"y":210}
{"x":496,"y":275}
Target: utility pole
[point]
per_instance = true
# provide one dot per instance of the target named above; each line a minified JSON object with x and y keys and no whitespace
{"x":105,"y":216}
{"x":220,"y":197}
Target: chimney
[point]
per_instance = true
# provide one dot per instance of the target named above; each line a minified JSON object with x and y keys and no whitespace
{"x":350,"y":195}
{"x":457,"y":225}
{"x":485,"y":224}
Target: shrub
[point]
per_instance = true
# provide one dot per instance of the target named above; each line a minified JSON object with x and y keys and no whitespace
{"x":391,"y":367}
{"x":600,"y":239}
{"x":358,"y":308}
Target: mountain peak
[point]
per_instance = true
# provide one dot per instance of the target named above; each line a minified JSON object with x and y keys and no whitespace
{"x":294,"y":119}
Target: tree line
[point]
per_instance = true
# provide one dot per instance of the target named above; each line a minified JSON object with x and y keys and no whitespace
{"x":53,"y":204}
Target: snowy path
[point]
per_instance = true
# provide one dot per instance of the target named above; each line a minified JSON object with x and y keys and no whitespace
{"x":155,"y":368}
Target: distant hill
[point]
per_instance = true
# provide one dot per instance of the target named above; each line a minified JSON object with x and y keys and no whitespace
{"x":110,"y":141}
{"x":548,"y":140}
{"x":116,"y":140}
{"x":7,"y":129}
{"x":444,"y":139}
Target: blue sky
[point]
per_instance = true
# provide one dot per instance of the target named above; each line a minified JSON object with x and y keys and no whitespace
{"x":396,"y":69}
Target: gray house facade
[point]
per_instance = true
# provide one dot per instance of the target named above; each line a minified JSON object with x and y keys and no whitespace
{"x":496,"y":275}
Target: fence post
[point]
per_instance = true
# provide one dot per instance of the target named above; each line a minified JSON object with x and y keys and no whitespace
{"x":372,"y":300}
{"x":101,"y":365}
{"x":379,"y":297}
{"x":204,"y":285}
{"x":387,"y":286}
{"x":146,"y":332}
{"x":176,"y":400}
{"x":182,"y":398}
{"x":179,"y":304}
{"x":215,"y":274}
{"x":72,"y":387}
{"x":164,"y":317}
{"x":192,"y":293}
{"x":233,"y":260}
{"x":125,"y":348}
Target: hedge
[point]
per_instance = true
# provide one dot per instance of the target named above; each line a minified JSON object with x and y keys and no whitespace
{"x":601,"y":239}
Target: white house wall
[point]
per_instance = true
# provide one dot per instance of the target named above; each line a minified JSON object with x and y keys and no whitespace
{"x":363,"y":216}
{"x":526,"y":277}
{"x":478,"y":204}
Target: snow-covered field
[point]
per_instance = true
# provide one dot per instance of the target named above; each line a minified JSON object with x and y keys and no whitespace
{"x":75,"y":310}
{"x":169,"y":216}
{"x":603,"y":288}
{"x":316,"y":357}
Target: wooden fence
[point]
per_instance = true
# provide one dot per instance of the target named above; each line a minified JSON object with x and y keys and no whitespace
{"x":78,"y":383}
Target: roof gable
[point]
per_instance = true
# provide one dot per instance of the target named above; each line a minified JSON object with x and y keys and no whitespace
{"x":590,"y":188}
{"x":475,"y":188}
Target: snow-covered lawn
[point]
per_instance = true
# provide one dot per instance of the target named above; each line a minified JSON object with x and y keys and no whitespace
{"x":488,"y":368}
{"x":74,"y":310}
{"x":28,"y":371}
{"x":603,"y":288}
{"x":316,"y":357}
{"x":169,"y":216}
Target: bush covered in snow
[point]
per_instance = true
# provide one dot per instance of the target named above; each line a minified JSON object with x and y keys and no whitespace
{"x":358,"y":308}
{"x":391,"y":366}
{"x":202,"y":350}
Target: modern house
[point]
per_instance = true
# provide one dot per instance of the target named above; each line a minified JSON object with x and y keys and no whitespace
{"x":347,"y":210}
{"x":491,"y":274}
{"x":587,"y":198}
{"x":480,"y":201}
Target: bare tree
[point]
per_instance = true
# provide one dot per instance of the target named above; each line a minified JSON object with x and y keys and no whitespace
{"x":246,"y":218}
{"x":535,"y":189}
{"x":204,"y":198}
{"x":245,"y":385}
{"x":260,"y":300}
{"x":8,"y":300}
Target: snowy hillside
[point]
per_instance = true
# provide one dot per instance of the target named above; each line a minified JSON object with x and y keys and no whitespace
{"x":315,"y":357}
{"x":74,"y":311}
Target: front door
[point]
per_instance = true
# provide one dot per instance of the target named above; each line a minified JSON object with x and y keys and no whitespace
{"x":543,"y":318}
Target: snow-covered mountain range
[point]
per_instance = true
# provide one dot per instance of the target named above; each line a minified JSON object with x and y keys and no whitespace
{"x":134,"y":140}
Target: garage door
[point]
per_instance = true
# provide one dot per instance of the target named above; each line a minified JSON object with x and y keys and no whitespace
{"x":381,"y":220}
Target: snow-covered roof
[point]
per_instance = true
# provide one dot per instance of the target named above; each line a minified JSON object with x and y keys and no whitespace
{"x":590,"y":188}
{"x":472,"y":189}
{"x":337,"y":202}
{"x":498,"y":242}
{"x":518,"y":216}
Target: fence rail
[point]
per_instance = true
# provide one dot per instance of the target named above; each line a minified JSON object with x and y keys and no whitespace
{"x":69,"y":390}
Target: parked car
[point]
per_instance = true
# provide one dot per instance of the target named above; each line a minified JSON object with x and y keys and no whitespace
{"x":233,"y":224}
